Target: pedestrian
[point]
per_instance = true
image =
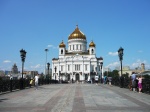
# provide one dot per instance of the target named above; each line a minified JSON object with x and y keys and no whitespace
{"x":36,"y":81}
{"x":140,"y":83}
{"x":110,"y":80}
{"x":31,"y":82}
{"x":133,"y":77}
{"x":92,"y":80}
{"x":61,"y":80}
{"x":105,"y":79}
{"x":96,"y":79}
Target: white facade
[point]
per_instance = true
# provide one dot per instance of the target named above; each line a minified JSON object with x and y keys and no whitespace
{"x":77,"y":62}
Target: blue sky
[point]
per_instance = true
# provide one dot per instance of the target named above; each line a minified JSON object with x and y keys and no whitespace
{"x":38,"y":24}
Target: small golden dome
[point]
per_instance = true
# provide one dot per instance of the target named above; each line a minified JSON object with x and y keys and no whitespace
{"x":92,"y":44}
{"x":77,"y":34}
{"x":62,"y":44}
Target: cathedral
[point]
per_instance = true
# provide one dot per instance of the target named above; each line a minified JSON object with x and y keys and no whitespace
{"x":77,"y":61}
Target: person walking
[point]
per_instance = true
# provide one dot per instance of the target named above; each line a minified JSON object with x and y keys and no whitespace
{"x":96,"y":79}
{"x":31,"y":82}
{"x":140,"y":83}
{"x":133,"y":77}
{"x":110,"y":80}
{"x":105,"y":79}
{"x":36,"y":81}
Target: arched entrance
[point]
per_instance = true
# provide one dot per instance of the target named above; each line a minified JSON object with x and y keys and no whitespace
{"x":86,"y":76}
{"x":68,"y":77}
{"x":77,"y":77}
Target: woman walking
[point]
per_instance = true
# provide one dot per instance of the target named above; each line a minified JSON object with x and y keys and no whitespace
{"x":140,"y":83}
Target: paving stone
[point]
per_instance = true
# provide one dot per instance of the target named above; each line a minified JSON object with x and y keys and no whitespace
{"x":75,"y":98}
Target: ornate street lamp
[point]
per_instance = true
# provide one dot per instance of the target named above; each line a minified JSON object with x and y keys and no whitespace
{"x":120,"y":54}
{"x":23,"y":56}
{"x":101,"y":65}
{"x":55,"y":74}
{"x":48,"y":66}
{"x":46,"y":50}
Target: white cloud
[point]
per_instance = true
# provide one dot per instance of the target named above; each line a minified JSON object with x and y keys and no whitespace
{"x":140,"y":51}
{"x":52,"y":46}
{"x":7,"y":61}
{"x":113,"y":65}
{"x":37,"y":66}
{"x":138,"y":63}
{"x":113,"y":53}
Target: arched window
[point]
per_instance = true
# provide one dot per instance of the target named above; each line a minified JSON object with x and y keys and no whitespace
{"x":61,"y":51}
{"x":73,"y":47}
{"x":92,"y":51}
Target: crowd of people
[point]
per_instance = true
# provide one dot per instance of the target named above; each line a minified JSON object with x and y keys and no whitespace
{"x":135,"y":83}
{"x":104,"y":80}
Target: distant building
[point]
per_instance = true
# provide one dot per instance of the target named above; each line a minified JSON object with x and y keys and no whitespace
{"x":2,"y":73}
{"x":7,"y":72}
{"x":14,"y":69}
{"x":127,"y":70}
{"x":30,"y":73}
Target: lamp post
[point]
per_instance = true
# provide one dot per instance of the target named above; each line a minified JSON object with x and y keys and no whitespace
{"x":55,"y":74}
{"x":48,"y":66}
{"x":23,"y":56}
{"x":101,"y":65}
{"x":46,"y":50}
{"x":120,"y":54}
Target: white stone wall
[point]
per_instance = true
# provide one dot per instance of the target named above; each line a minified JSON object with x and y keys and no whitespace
{"x":81,"y":60}
{"x":77,"y":45}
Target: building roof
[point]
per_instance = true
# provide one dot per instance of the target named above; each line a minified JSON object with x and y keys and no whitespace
{"x":77,"y":34}
{"x":55,"y":58}
{"x":62,"y":44}
{"x":100,"y":58}
{"x":92,"y":44}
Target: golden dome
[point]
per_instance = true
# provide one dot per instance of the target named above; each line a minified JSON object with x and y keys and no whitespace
{"x":77,"y":34}
{"x":62,"y":44}
{"x":92,"y":44}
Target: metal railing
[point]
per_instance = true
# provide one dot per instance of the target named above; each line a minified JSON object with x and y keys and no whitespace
{"x":9,"y":85}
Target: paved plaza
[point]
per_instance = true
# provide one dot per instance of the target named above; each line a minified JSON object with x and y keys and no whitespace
{"x":75,"y":98}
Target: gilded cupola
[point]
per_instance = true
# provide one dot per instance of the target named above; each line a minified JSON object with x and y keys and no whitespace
{"x":92,"y":44}
{"x":77,"y":34}
{"x":62,"y":44}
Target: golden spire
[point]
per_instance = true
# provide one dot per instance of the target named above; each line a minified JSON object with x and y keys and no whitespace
{"x":92,"y":44}
{"x":62,"y":44}
{"x":77,"y":34}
